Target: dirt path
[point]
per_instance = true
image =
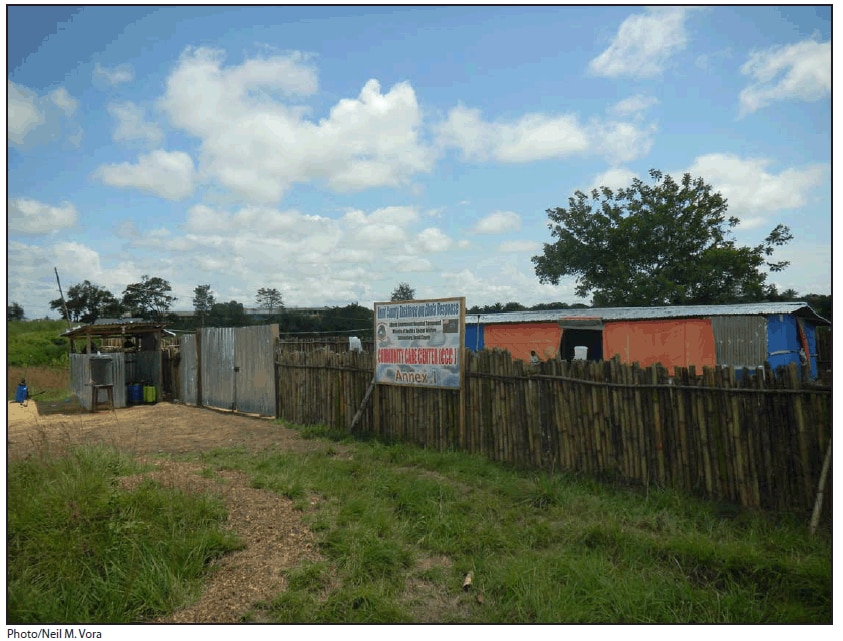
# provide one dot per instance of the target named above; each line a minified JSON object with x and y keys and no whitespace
{"x":275,"y":537}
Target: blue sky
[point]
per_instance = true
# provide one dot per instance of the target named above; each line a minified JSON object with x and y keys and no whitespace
{"x":333,"y":152}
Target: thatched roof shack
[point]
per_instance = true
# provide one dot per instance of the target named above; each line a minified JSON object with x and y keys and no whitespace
{"x":123,"y":354}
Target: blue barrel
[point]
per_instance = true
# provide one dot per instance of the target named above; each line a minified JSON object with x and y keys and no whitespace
{"x":135,"y":393}
{"x":20,"y":394}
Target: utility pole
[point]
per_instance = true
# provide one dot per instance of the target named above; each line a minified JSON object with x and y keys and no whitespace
{"x":63,"y":304}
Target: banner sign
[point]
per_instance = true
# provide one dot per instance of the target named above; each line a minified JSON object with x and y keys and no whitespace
{"x":419,"y":342}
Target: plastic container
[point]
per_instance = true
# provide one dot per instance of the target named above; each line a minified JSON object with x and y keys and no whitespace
{"x":135,"y":394}
{"x":149,"y":394}
{"x":580,"y":353}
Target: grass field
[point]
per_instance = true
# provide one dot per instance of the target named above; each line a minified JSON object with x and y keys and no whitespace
{"x":81,"y":550}
{"x":399,"y":529}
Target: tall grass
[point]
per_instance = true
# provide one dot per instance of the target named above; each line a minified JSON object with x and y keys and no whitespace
{"x":400,"y":528}
{"x":36,"y":343}
{"x":36,"y":352}
{"x":81,"y":549}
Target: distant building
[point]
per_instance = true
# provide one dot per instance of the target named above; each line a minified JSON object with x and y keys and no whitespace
{"x":261,"y":311}
{"x":741,"y":335}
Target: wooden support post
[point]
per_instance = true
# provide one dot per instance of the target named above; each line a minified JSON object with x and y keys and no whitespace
{"x":818,"y":503}
{"x":362,"y":407}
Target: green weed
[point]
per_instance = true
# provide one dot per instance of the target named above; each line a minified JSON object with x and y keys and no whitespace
{"x":81,"y":549}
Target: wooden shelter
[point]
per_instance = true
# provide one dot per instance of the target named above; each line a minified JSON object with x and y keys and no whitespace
{"x":111,"y":359}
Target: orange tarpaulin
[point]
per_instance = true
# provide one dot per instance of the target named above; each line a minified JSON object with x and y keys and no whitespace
{"x":520,"y":338}
{"x":671,"y":342}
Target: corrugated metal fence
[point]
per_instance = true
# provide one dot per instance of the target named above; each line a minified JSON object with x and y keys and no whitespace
{"x":230,"y":368}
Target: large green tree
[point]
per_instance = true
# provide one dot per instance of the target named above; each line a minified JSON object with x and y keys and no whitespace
{"x":666,"y":243}
{"x":150,"y":298}
{"x":87,"y":302}
{"x":230,"y":314}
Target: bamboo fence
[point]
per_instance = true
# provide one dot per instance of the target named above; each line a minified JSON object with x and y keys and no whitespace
{"x":753,"y":438}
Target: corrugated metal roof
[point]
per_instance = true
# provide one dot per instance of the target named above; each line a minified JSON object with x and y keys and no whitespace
{"x":650,"y":313}
{"x":109,"y":328}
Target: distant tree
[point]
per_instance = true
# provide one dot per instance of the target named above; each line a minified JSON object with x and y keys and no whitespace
{"x":662,"y":244}
{"x":269,"y":299}
{"x":512,"y":306}
{"x":403,"y":292}
{"x":230,"y":314}
{"x":14,"y":312}
{"x":820,"y":303}
{"x":149,"y":298}
{"x":351,"y":318}
{"x":544,"y":306}
{"x":203,"y":301}
{"x":87,"y":302}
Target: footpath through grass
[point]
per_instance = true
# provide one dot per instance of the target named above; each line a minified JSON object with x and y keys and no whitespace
{"x":400,"y":528}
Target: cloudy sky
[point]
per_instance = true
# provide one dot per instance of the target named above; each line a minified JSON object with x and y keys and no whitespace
{"x":333,"y":152}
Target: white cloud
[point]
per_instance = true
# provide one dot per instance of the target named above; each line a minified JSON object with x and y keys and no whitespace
{"x":113,"y":76}
{"x":801,"y":71}
{"x":622,"y":142}
{"x":29,"y":216}
{"x":167,"y":174}
{"x":23,"y":115}
{"x":64,"y":101}
{"x":131,"y":125}
{"x":643,"y":44}
{"x":34,"y":119}
{"x":614,"y":178}
{"x":752,"y":190}
{"x":83,"y":259}
{"x":519,"y":247}
{"x":498,"y":222}
{"x":257,"y":141}
{"x":539,"y":137}
{"x":531,"y":137}
{"x":432,"y":240}
{"x":633,"y":105}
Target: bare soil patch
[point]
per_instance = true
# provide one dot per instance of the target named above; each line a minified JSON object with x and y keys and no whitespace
{"x":272,"y":530}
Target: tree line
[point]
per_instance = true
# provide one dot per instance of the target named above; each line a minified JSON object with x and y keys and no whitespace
{"x":668,"y":242}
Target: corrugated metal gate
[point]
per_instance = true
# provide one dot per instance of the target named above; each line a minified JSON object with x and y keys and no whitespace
{"x":235,"y":369}
{"x":188,"y":370}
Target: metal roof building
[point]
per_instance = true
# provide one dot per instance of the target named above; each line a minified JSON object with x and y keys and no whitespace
{"x":739,"y":335}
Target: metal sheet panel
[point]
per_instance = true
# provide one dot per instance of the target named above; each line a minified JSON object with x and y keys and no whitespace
{"x":782,"y":340}
{"x":523,"y":338}
{"x":188,"y":370}
{"x":673,"y":342}
{"x":473,"y":334}
{"x":217,"y":367}
{"x":254,"y":369}
{"x":115,"y":375}
{"x":651,"y":313}
{"x":740,"y":341}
